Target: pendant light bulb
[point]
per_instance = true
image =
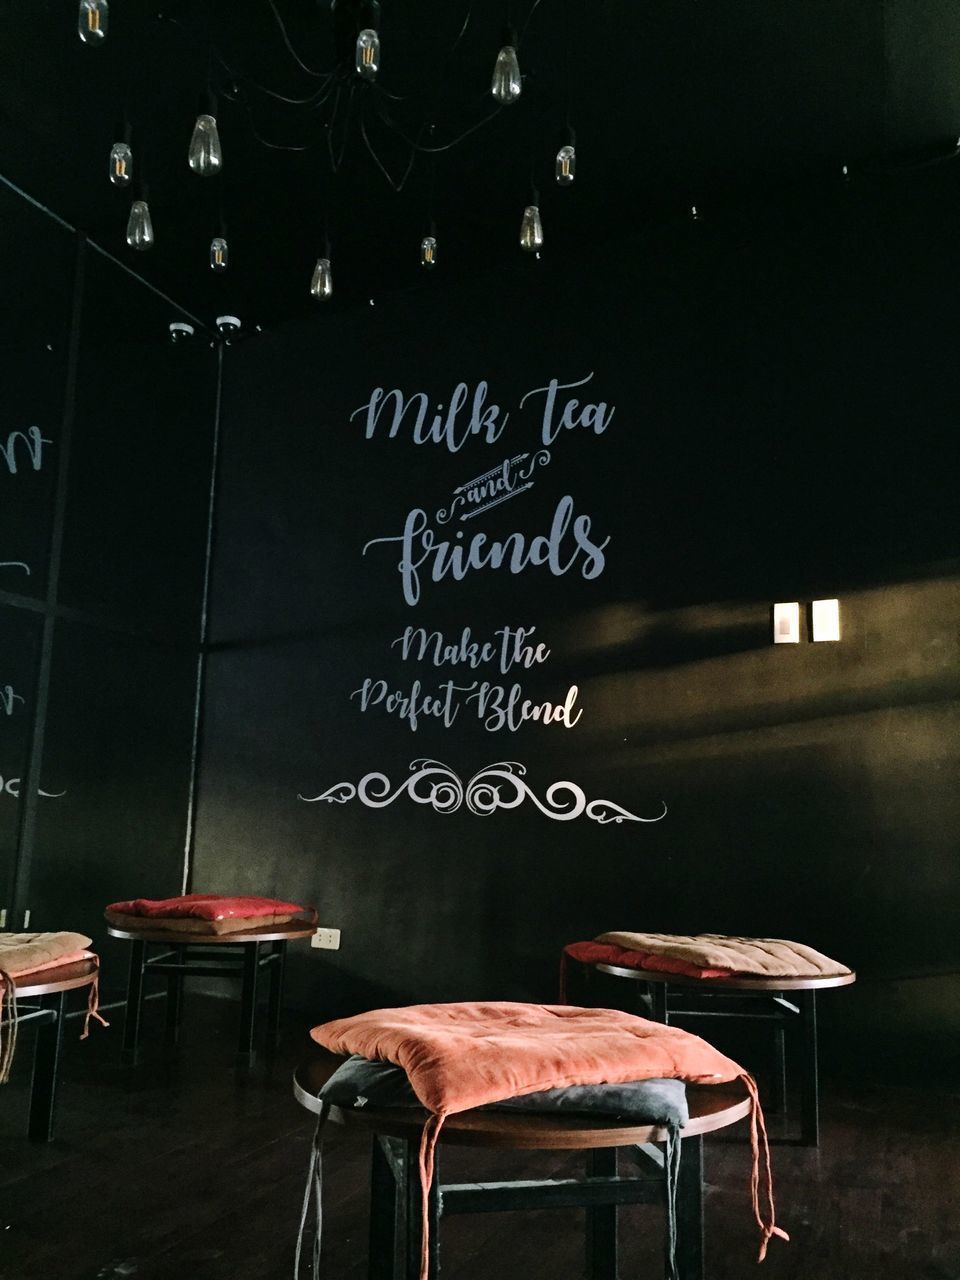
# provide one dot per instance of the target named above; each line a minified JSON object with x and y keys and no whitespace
{"x":368,"y":53}
{"x":321,"y":284}
{"x":219,"y":254}
{"x":428,"y":251}
{"x":93,"y":21}
{"x":506,"y":84}
{"x":566,"y":167}
{"x":204,"y":155}
{"x":121,"y":164}
{"x":531,"y":230}
{"x":140,"y":226}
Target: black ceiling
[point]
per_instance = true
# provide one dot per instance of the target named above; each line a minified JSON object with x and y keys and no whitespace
{"x":674,"y":103}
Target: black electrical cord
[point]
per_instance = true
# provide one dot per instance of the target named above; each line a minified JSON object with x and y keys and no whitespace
{"x":289,"y":46}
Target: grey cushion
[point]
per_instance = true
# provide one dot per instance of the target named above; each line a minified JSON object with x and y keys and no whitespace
{"x":359,"y":1083}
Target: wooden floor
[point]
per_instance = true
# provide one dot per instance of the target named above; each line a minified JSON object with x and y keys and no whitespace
{"x":181,"y":1169}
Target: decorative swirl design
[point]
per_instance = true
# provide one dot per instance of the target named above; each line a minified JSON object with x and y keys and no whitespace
{"x":539,"y":459}
{"x":446,"y":514}
{"x":496,"y":786}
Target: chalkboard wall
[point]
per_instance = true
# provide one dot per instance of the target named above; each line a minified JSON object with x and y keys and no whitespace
{"x":775,"y":406}
{"x":104,"y":479}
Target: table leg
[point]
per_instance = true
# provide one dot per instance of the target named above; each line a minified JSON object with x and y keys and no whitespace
{"x":778,"y":1094}
{"x":602,"y":1220}
{"x":277,"y":966}
{"x":384,"y":1194}
{"x":690,"y":1211}
{"x":809,"y":1078}
{"x":134,"y":1009}
{"x":661,"y":1004}
{"x":175,"y":999}
{"x":644,"y":999}
{"x":46,"y":1062}
{"x":248,"y":1004}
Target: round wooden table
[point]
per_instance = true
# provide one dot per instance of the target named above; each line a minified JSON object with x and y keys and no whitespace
{"x":47,"y":992}
{"x":395,"y":1209}
{"x":189,"y":954}
{"x":788,"y":999}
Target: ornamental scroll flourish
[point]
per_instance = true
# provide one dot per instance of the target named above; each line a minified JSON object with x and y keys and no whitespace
{"x":496,"y":786}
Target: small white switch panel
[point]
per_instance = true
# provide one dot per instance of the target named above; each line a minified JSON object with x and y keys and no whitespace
{"x":329,"y":939}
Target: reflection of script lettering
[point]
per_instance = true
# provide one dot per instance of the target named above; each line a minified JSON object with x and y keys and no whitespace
{"x":32,"y":441}
{"x":11,"y":787}
{"x":7,"y":698}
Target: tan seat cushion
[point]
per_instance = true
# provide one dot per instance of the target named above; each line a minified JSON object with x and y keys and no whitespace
{"x":24,"y":952}
{"x":757,"y":957}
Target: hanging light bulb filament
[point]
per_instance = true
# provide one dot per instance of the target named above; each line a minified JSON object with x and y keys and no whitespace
{"x":121,"y":164}
{"x":368,"y":53}
{"x":218,"y":253}
{"x":204,"y":155}
{"x":531,"y":230}
{"x":506,"y":84}
{"x":566,"y":165}
{"x":92,"y":21}
{"x":140,"y":226}
{"x":321,"y":283}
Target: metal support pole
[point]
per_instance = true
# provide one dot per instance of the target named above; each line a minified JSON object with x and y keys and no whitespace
{"x":134,"y":1011}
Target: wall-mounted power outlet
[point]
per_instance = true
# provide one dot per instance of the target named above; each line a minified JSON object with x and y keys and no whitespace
{"x":329,"y":939}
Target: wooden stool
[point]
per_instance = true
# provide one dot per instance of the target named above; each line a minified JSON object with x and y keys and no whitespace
{"x":395,"y":1207}
{"x":49,"y":989}
{"x":190,"y":954}
{"x":786,"y":999}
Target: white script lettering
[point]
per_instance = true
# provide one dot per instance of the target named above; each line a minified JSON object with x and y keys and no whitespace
{"x":448,"y":428}
{"x":559,"y":552}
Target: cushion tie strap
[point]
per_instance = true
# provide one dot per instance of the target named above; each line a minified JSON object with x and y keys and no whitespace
{"x":8,"y":1036}
{"x":428,"y":1149}
{"x":93,"y":1002}
{"x":314,"y":1191}
{"x":672,"y":1168}
{"x":760,"y":1145}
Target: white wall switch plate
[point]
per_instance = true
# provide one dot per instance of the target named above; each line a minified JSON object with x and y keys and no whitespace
{"x":825,"y":619}
{"x":786,"y":623}
{"x":328,"y":939}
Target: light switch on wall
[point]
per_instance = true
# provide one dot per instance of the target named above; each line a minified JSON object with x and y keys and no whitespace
{"x":786,"y":623}
{"x":825,"y":619}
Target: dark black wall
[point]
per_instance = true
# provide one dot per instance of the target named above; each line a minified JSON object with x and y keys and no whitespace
{"x":786,"y":405}
{"x":99,"y":633}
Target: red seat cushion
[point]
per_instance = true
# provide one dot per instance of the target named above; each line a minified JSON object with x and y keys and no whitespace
{"x":607,"y":953}
{"x":204,"y":906}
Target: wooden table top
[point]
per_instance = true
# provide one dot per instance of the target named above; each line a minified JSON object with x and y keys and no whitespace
{"x":64,"y":977}
{"x":265,"y":933}
{"x":711,"y":1107}
{"x":733,"y":983}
